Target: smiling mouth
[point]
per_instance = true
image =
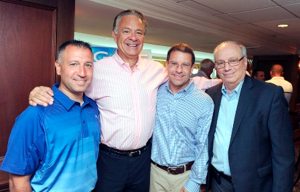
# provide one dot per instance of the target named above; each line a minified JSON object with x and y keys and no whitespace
{"x":80,"y":81}
{"x":228,"y":75}
{"x":178,"y":76}
{"x":131,"y":45}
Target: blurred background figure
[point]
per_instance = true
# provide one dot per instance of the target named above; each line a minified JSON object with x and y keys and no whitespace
{"x":207,"y":69}
{"x":259,"y":74}
{"x":276,"y":73}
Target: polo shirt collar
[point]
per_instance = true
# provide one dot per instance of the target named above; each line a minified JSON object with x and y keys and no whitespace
{"x":65,"y":100}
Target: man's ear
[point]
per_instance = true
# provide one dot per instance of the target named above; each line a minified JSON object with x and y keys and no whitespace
{"x":58,"y":68}
{"x":166,"y":63}
{"x":114,"y":35}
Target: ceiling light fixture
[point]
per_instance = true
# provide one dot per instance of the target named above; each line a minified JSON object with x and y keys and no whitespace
{"x":282,"y":25}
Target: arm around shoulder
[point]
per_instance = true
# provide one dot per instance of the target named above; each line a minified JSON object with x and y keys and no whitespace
{"x":41,"y":96}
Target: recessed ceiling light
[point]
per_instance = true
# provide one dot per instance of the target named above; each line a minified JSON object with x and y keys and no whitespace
{"x":282,"y":25}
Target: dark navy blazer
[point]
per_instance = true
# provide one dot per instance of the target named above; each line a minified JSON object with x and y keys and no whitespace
{"x":261,"y":150}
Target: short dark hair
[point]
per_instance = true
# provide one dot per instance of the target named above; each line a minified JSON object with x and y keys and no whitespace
{"x":207,"y":64}
{"x":255,"y":72}
{"x":129,"y":12}
{"x":183,"y":47}
{"x":73,"y":42}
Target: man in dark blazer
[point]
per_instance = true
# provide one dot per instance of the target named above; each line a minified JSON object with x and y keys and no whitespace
{"x":250,"y":140}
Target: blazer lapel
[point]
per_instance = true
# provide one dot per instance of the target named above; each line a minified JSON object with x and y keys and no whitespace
{"x":246,"y":96}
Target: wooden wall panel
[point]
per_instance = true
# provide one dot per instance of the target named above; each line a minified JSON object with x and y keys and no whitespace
{"x":30,"y":32}
{"x":27,"y":58}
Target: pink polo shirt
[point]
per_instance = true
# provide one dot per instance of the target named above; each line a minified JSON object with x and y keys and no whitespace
{"x":126,"y":99}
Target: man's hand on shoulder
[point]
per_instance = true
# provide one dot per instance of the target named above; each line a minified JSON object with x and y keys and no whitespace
{"x":41,"y":96}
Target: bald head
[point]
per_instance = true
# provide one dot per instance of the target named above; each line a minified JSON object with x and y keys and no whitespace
{"x":230,"y":63}
{"x":242,"y":48}
{"x":276,"y":70}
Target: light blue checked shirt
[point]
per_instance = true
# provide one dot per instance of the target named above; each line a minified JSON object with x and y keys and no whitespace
{"x":181,"y":128}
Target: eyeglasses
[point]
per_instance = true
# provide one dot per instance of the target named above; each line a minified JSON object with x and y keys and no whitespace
{"x":232,"y":62}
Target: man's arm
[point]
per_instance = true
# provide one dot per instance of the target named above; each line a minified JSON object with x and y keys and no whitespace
{"x":199,"y":168}
{"x":19,"y":183}
{"x":203,"y":83}
{"x":41,"y":96}
{"x":281,"y":134}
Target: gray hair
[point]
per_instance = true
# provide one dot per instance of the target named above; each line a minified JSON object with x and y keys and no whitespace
{"x":129,"y":12}
{"x":242,"y":47}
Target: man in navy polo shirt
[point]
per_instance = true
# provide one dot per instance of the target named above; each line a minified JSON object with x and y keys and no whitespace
{"x":55,"y":148}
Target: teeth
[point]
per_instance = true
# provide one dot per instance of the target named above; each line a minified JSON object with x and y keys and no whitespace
{"x":132,"y":45}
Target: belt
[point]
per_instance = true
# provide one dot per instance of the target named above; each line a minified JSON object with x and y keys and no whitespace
{"x":218,"y":175}
{"x":175,"y":170}
{"x":128,"y":153}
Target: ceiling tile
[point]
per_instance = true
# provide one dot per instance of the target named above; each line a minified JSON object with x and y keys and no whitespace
{"x":286,"y":2}
{"x":267,"y":14}
{"x":232,"y":6}
{"x":294,"y":8}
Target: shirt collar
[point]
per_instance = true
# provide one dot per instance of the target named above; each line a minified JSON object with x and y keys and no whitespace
{"x":121,"y":62}
{"x":185,"y":89}
{"x":277,"y":77}
{"x":235,"y":91}
{"x":65,"y":100}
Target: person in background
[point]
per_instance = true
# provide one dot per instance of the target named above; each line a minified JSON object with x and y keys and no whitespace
{"x":183,"y":117}
{"x":52,"y":148}
{"x":276,"y":73}
{"x":251,"y":139}
{"x":259,"y":75}
{"x":125,"y":88}
{"x":206,"y":69}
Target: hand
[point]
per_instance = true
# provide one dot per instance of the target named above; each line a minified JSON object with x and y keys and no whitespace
{"x":183,"y":190}
{"x":41,"y":96}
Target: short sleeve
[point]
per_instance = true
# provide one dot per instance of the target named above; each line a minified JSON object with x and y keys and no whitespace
{"x":26,"y":145}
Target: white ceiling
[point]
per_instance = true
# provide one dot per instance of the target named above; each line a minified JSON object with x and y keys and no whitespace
{"x":203,"y":23}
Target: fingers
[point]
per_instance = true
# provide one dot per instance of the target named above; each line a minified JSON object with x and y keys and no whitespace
{"x":41,"y":96}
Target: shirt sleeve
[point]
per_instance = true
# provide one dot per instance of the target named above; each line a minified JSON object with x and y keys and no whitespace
{"x":199,"y":168}
{"x":281,"y":134}
{"x":26,"y":145}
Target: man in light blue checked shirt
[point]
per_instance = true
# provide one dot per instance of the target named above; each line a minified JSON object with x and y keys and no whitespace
{"x":183,"y":118}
